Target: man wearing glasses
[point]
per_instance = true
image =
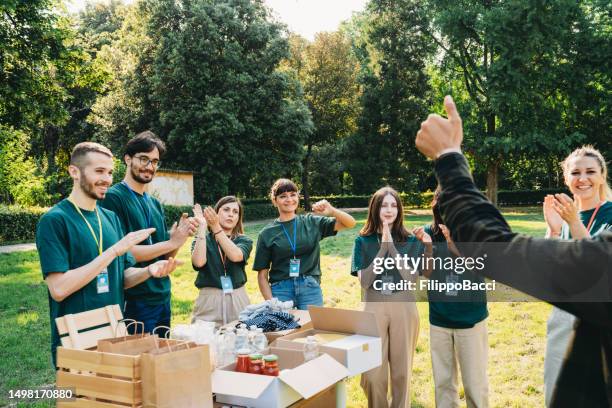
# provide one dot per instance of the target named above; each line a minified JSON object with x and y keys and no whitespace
{"x":148,"y":302}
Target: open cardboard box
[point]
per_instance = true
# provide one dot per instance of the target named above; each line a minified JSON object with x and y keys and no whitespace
{"x":349,"y":336}
{"x":297,"y":380}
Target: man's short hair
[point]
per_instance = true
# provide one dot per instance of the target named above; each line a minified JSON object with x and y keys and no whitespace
{"x":78,"y":157}
{"x":145,"y":142}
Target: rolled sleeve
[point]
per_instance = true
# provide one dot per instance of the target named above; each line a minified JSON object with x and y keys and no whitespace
{"x":246,"y":246}
{"x":52,"y":245}
{"x":263,"y":256}
{"x":356,"y":259}
{"x":326,"y":226}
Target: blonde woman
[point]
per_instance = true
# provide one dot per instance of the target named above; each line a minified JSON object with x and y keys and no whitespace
{"x":588,"y":214}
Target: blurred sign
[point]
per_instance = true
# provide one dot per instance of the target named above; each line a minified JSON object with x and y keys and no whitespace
{"x":173,"y":187}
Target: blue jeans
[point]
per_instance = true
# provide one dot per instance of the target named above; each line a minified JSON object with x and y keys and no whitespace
{"x":303,"y":290}
{"x":151,"y":315}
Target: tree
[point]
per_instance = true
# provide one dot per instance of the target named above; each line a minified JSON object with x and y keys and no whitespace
{"x":393,"y":50}
{"x":522,"y":65}
{"x":328,"y":72}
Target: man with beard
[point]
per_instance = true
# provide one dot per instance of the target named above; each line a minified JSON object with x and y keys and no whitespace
{"x":148,"y":302}
{"x":83,"y":252}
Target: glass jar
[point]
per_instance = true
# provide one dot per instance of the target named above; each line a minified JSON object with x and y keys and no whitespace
{"x":271,"y":365}
{"x":256,"y":364}
{"x":243,"y":361}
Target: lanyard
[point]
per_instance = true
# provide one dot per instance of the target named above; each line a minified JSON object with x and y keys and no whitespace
{"x":292,"y":244}
{"x":146,"y":208}
{"x":593,"y":218}
{"x":222,"y":255}
{"x":99,"y":244}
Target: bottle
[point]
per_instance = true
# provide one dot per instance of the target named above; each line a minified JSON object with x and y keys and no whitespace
{"x":242,"y":339}
{"x":229,"y":346}
{"x":252,"y":333}
{"x":271,"y":365}
{"x":260,"y":342}
{"x":257,"y":364}
{"x":243,"y":362}
{"x":311,"y":348}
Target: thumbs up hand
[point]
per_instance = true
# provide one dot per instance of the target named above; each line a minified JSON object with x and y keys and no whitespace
{"x":440,"y":135}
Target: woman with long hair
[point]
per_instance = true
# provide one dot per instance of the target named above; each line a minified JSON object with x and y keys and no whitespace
{"x":588,"y":214}
{"x":458,"y":330}
{"x":287,"y":257}
{"x":220,"y":251}
{"x":384,"y":236}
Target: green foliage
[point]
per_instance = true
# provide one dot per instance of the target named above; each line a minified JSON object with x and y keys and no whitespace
{"x":18,"y":224}
{"x":20,"y":182}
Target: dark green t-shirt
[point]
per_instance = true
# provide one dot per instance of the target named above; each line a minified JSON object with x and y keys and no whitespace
{"x":366,"y":247}
{"x":602,"y":221}
{"x":210,"y":274}
{"x":274,"y":251}
{"x":64,"y":242}
{"x":463,"y":310}
{"x":136,"y":212}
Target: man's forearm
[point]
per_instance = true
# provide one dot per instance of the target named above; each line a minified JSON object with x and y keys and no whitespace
{"x":143,"y":253}
{"x":62,"y":285}
{"x":134,"y":276}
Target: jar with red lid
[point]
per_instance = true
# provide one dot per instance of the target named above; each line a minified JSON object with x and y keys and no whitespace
{"x":271,"y":365}
{"x":256,"y":364}
{"x":243,"y":361}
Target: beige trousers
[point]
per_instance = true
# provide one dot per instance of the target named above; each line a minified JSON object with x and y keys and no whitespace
{"x":398,"y":324}
{"x":469,"y":347}
{"x":213,"y":306}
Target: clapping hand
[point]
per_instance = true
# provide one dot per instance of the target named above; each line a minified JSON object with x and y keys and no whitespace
{"x":130,"y":240}
{"x":566,"y":208}
{"x":551,"y":216}
{"x":212,"y":218}
{"x":163,"y":268}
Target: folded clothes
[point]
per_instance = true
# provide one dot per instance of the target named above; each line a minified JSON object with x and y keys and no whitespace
{"x":273,"y":321}
{"x":272,"y":305}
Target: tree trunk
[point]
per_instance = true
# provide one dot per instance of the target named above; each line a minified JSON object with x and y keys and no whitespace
{"x":493,"y":164}
{"x":305,"y":169}
{"x":492,"y":180}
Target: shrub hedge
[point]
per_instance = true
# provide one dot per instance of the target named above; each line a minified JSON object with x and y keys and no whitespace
{"x":18,"y":224}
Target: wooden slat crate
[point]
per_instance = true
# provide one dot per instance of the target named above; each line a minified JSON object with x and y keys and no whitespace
{"x":101,"y":380}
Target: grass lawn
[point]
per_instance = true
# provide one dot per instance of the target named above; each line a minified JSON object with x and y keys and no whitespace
{"x":516,"y":330}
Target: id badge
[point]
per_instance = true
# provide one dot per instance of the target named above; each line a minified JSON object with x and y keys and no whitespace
{"x":294,"y":268}
{"x":452,"y":279}
{"x":102,"y":282}
{"x":226,"y":284}
{"x":386,"y":280}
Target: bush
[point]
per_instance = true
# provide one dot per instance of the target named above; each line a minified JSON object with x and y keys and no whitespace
{"x":525,"y":197}
{"x":18,"y":224}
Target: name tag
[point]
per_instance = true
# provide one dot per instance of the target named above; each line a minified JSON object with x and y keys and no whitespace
{"x":452,"y":279}
{"x":102,"y":282}
{"x":386,"y":280}
{"x":226,"y":284}
{"x":294,"y":268}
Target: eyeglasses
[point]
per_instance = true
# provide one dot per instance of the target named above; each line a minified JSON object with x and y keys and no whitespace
{"x":145,"y":160}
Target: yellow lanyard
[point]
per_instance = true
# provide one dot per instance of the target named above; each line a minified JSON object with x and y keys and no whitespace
{"x":100,"y":243}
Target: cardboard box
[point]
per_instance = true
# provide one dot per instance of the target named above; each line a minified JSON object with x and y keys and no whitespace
{"x":297,"y":380}
{"x":353,"y":337}
{"x":303,"y":318}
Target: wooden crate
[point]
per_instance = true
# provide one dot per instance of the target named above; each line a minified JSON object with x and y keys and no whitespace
{"x":101,"y":380}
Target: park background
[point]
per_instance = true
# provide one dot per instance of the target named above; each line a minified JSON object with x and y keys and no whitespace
{"x":240,"y":101}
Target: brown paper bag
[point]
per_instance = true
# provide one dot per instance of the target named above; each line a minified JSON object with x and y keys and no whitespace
{"x":177,"y":376}
{"x":131,"y":345}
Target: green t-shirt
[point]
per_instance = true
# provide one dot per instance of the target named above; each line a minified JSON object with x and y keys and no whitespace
{"x":602,"y":221}
{"x":64,"y":242}
{"x":274,"y":251}
{"x":210,"y":274}
{"x":463,"y":310}
{"x":366,"y":247}
{"x":136,"y":212}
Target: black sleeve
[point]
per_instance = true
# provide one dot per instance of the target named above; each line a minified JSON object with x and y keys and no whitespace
{"x":552,"y":270}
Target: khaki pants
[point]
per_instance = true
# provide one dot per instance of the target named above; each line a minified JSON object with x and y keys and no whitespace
{"x":470,"y":348}
{"x":398,"y":324}
{"x":213,"y":306}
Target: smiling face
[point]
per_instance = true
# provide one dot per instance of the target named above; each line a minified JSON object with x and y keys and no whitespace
{"x":287,"y":202}
{"x":388,"y":210}
{"x":583,"y":176}
{"x":229,"y":215}
{"x":96,"y":176}
{"x":143,"y":165}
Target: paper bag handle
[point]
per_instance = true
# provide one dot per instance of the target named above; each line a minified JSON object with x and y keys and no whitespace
{"x":131,"y":322}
